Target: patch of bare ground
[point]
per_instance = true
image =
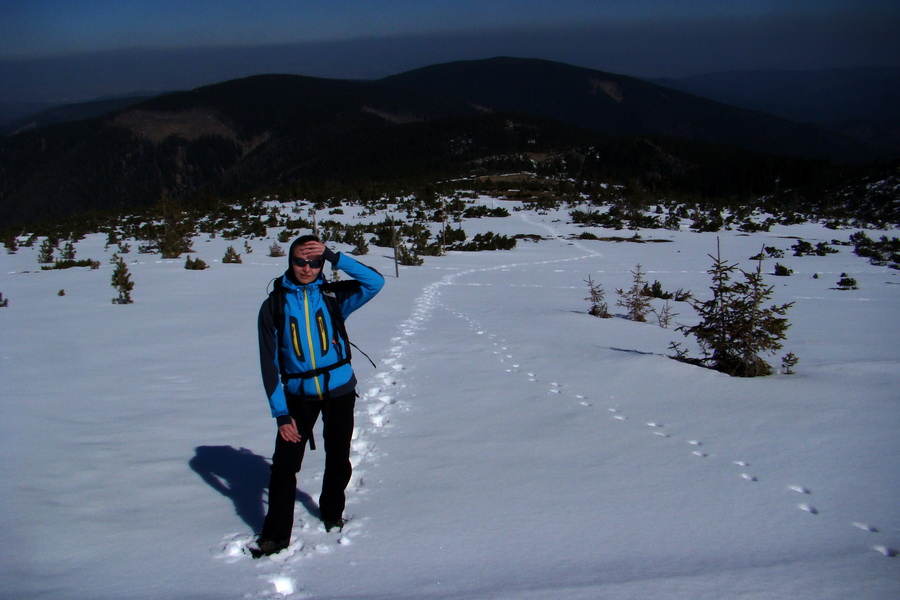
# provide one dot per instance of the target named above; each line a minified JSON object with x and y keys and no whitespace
{"x":397,"y":118}
{"x":191,"y":125}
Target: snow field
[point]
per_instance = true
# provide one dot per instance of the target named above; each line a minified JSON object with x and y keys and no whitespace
{"x":508,"y":445}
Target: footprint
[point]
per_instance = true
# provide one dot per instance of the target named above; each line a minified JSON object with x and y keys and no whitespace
{"x":799,"y":489}
{"x":808,"y":508}
{"x":865,"y":527}
{"x":700,"y":454}
{"x":887,"y":551}
{"x":749,"y":477}
{"x":284,"y":585}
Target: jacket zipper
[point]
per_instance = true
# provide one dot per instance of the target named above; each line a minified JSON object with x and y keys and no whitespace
{"x":309,"y":338}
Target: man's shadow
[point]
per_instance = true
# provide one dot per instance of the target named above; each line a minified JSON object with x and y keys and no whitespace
{"x":242,"y":477}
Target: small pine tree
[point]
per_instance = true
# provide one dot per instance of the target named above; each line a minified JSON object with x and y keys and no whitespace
{"x":357,"y":238}
{"x":45,"y":255}
{"x":634,"y":300}
{"x":788,"y":362}
{"x":735,"y":328}
{"x":175,"y":233}
{"x":121,"y":280}
{"x":4,"y":302}
{"x":665,"y":315}
{"x":11,"y":243}
{"x":596,"y":298}
{"x":408,"y":257}
{"x":68,"y":252}
{"x":231,"y":256}
{"x":275,"y":250}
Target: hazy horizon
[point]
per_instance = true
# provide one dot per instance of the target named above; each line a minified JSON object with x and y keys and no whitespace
{"x":68,"y":52}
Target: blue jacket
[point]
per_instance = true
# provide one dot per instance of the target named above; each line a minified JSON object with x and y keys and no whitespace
{"x":308,"y":341}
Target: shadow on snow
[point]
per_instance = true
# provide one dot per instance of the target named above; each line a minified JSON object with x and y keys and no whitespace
{"x":242,"y":477}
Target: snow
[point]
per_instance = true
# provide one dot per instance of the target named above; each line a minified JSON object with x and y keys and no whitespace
{"x":509,"y":446}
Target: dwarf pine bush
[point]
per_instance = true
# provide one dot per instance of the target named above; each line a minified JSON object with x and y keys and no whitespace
{"x":196,"y":264}
{"x":231,"y":256}
{"x":847,"y":283}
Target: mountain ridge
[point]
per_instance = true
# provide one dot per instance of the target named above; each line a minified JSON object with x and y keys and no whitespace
{"x":270,"y":131}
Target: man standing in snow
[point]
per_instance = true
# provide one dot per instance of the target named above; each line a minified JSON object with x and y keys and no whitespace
{"x":305,"y":359}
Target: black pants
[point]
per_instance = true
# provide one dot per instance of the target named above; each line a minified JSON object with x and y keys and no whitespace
{"x":337,"y":424}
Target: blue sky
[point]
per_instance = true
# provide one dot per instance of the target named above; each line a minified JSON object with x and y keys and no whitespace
{"x":372,"y":38}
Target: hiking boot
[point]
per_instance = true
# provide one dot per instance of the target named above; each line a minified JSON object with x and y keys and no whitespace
{"x":265,"y":547}
{"x":339,"y":525}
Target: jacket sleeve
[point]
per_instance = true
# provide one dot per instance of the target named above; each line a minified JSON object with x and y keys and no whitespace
{"x":370,"y":281}
{"x":268,"y":362}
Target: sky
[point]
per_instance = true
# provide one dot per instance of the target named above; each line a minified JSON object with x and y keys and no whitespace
{"x":83,"y":47}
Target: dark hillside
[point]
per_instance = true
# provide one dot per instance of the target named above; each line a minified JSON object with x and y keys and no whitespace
{"x":620,"y":105}
{"x":246,"y":135}
{"x":272,"y":132}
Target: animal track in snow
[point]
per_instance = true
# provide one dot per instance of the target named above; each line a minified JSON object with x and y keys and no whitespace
{"x":808,"y":508}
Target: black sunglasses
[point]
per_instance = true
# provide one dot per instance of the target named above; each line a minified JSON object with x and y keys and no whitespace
{"x":302,"y":262}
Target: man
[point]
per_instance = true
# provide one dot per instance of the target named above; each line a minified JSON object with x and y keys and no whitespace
{"x":305,"y":359}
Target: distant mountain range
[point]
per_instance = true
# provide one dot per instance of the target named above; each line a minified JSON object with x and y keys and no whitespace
{"x":24,"y":117}
{"x":863,"y":103}
{"x":279,"y":130}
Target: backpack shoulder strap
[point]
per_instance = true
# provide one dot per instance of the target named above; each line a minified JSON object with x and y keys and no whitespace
{"x":331,"y":292}
{"x":276,"y":308}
